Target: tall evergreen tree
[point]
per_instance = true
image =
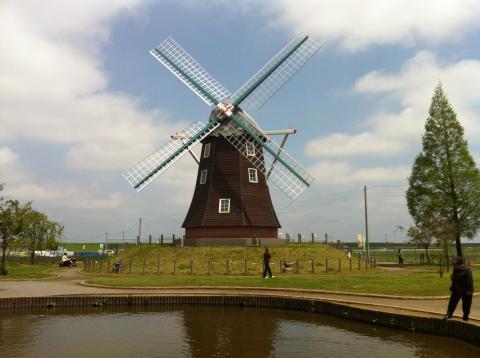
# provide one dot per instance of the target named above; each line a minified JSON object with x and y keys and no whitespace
{"x":444,"y":187}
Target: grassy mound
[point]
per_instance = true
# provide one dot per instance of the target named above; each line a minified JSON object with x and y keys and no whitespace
{"x":220,"y":260}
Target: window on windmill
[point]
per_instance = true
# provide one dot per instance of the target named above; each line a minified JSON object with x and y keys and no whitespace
{"x":224,"y":206}
{"x":250,"y":149}
{"x":206,"y":150}
{"x":203,"y":176}
{"x":252,"y":175}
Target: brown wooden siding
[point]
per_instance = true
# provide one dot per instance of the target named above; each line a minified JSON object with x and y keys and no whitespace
{"x":250,"y":203}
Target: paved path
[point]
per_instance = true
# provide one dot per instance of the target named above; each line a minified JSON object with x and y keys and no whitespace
{"x":70,"y":282}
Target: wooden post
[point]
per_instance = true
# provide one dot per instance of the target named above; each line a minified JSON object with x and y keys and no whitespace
{"x":326,"y":265}
{"x":161,"y":239}
{"x":298,"y":267}
{"x":359,"y":266}
{"x":366,"y":262}
{"x":313,"y":266}
{"x":174,"y":266}
{"x":158,"y":267}
{"x":299,"y":238}
{"x":150,"y":239}
{"x":350,"y":263}
{"x":191,"y":267}
{"x":313,"y":237}
{"x":339,"y":265}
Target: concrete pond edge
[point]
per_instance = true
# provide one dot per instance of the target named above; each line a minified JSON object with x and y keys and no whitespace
{"x":431,"y":325}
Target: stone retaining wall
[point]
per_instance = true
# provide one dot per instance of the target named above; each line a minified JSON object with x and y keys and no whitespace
{"x":452,"y":328}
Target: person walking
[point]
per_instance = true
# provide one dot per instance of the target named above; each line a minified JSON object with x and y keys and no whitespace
{"x":266,"y":264}
{"x":400,"y":256}
{"x":462,"y":287}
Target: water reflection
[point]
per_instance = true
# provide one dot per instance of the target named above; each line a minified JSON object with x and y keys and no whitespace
{"x":203,"y":331}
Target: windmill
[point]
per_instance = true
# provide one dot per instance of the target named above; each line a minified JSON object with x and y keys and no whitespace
{"x":231,"y":201}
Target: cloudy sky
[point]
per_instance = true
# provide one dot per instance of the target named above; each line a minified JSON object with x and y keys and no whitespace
{"x":81,"y":100}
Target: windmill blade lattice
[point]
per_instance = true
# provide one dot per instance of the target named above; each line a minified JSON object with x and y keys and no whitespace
{"x":286,"y":173}
{"x":189,"y":71}
{"x":271,"y":77}
{"x":141,"y":174}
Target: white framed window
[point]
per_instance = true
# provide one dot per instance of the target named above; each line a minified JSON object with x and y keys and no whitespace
{"x":252,"y":175}
{"x":224,"y":206}
{"x":250,"y":149}
{"x":206,"y":150}
{"x":203,"y":176}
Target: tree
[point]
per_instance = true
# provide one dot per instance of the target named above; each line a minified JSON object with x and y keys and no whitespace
{"x":39,"y":233}
{"x":444,"y":186}
{"x":12,"y":217}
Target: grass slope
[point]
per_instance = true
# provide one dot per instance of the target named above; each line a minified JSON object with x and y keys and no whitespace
{"x":154,"y":257}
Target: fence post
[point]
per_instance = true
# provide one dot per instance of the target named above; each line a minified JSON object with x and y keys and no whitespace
{"x":161,"y":239}
{"x":299,"y":236}
{"x":158,"y":267}
{"x":209,"y":268}
{"x":313,"y":266}
{"x":246,"y":266}
{"x":350,"y":259}
{"x":94,"y":265}
{"x":366,"y":262}
{"x":130,"y":266}
{"x":298,"y":270}
{"x":150,"y":239}
{"x":287,"y":237}
{"x":228,"y":267}
{"x":191,"y":267}
{"x":339,"y":265}
{"x":173,"y":239}
{"x":313,"y":237}
{"x":174,"y":266}
{"x":326,"y":265}
{"x":359,"y":266}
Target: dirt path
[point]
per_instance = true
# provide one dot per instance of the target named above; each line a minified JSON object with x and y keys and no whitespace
{"x":69,"y":282}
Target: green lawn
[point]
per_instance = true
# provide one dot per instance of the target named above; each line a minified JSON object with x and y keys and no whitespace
{"x":27,"y":271}
{"x":403,"y":284}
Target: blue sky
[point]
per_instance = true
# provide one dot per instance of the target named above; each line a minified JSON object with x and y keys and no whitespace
{"x":81,"y":100}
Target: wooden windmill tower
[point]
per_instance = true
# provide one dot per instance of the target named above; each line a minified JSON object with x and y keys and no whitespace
{"x":231,"y":201}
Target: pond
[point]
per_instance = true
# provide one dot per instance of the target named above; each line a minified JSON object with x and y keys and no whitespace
{"x":206,"y":331}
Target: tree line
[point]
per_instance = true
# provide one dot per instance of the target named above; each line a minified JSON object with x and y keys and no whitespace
{"x":22,"y":225}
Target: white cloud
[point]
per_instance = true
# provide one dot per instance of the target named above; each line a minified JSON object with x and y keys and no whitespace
{"x":359,"y":24}
{"x":340,"y":144}
{"x":412,"y":87}
{"x":23,"y":185}
{"x":53,"y":87}
{"x":335,"y":173}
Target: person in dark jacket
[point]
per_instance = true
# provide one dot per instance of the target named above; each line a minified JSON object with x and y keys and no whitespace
{"x":266,"y":264}
{"x":462,"y":287}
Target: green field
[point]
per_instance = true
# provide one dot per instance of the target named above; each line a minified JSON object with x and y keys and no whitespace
{"x":26,"y":271}
{"x":402,"y":284}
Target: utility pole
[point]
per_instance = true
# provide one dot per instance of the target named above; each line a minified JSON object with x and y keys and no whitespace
{"x":366,"y":222}
{"x":139,"y":230}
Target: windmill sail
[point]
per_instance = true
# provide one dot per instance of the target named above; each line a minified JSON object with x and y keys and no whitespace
{"x":189,"y":71}
{"x":142,"y":173}
{"x":271,"y":77}
{"x":284,"y":171}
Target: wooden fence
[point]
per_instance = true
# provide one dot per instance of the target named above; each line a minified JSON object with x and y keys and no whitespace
{"x":227,"y":267}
